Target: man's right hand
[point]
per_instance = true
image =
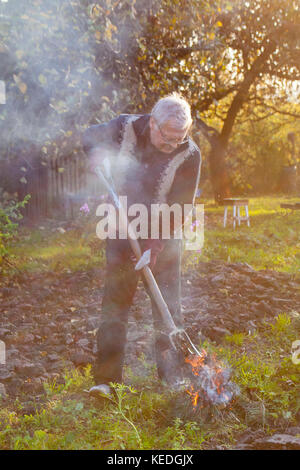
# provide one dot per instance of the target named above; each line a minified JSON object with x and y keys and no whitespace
{"x":156,"y":247}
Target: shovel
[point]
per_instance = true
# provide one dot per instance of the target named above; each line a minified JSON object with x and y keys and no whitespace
{"x":179,"y":339}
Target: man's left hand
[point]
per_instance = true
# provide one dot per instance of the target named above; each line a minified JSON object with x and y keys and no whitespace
{"x":156,"y":247}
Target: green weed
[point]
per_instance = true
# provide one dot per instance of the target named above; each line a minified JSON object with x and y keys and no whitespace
{"x":235,"y":338}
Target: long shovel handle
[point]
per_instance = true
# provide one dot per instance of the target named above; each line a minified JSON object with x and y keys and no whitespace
{"x":179,"y":338}
{"x":154,"y":289}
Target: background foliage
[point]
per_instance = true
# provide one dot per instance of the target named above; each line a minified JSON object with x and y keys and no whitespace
{"x":67,"y":64}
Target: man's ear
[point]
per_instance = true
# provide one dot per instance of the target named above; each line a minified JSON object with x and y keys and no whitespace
{"x":151,"y":122}
{"x":189,"y":127}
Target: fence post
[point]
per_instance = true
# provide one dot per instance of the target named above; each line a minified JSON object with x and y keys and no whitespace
{"x":2,"y":352}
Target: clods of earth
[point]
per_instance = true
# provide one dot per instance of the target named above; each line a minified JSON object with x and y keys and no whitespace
{"x":49,"y":320}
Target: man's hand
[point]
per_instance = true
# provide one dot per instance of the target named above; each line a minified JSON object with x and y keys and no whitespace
{"x":156,"y":247}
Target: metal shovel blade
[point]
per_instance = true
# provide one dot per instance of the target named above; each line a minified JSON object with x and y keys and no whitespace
{"x":144,"y":260}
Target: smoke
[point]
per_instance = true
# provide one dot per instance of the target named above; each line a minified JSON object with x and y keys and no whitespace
{"x":47,"y":68}
{"x":210,"y":380}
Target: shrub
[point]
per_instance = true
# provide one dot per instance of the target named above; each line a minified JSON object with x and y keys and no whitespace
{"x":10,"y":214}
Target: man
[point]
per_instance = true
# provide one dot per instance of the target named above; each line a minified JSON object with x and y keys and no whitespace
{"x":154,"y":161}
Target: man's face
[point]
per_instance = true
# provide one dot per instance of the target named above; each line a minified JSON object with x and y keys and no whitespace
{"x":167,"y":136}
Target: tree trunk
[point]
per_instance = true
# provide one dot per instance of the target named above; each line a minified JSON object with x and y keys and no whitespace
{"x":219,"y":141}
{"x":218,"y":171}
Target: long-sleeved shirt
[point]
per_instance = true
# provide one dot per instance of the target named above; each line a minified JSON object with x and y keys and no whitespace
{"x":142,"y":172}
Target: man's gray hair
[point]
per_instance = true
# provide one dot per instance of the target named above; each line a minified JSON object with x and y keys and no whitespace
{"x":173,"y":108}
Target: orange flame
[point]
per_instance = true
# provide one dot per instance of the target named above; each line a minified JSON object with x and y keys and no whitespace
{"x":194,"y":395}
{"x":198,"y":362}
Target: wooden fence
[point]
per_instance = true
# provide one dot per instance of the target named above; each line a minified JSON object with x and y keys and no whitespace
{"x":57,"y":186}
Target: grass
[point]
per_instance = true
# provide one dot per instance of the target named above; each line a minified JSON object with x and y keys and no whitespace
{"x":143,"y":416}
{"x":271,"y":242}
{"x":42,"y":251}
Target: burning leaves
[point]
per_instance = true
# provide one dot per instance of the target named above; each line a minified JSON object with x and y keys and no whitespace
{"x":209,"y":381}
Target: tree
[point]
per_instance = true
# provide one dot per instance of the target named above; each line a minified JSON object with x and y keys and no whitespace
{"x":226,"y":57}
{"x":263,"y":47}
{"x":260,"y":151}
{"x":70,"y":63}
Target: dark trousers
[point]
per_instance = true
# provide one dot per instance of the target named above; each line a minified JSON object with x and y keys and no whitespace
{"x":120,"y":287}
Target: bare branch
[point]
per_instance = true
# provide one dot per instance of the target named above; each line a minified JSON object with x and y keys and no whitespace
{"x":208,"y":131}
{"x":256,"y":119}
{"x":243,"y":91}
{"x":204,"y":104}
{"x":281,"y":111}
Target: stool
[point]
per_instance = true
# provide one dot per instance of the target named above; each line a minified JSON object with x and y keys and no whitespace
{"x":236,"y":203}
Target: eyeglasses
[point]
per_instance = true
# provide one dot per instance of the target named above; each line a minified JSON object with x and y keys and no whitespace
{"x":172,"y":141}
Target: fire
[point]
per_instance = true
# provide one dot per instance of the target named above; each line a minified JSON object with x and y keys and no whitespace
{"x":209,"y":380}
{"x":197,"y":361}
{"x":194,"y":395}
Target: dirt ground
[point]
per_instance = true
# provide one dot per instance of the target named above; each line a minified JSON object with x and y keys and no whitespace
{"x":49,"y":321}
